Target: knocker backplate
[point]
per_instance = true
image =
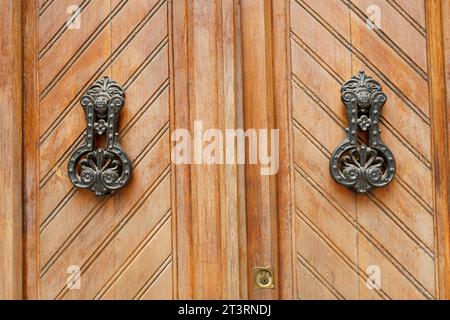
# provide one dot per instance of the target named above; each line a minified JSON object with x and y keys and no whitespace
{"x":356,"y":164}
{"x":101,"y":169}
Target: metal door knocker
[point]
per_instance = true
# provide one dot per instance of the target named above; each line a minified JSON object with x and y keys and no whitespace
{"x":101,"y":170}
{"x":354,"y":164}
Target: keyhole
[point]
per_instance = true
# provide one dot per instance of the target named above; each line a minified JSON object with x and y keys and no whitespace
{"x":263,"y":278}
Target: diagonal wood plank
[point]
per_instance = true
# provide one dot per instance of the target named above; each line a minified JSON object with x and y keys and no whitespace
{"x":80,"y":71}
{"x":317,"y":117}
{"x":53,"y":20}
{"x":325,"y":88}
{"x":147,"y":219}
{"x":400,"y":32}
{"x":385,"y":50}
{"x":161,"y":288}
{"x":325,"y":261}
{"x":145,"y":264}
{"x":103,"y":222}
{"x":316,"y":289}
{"x":73,"y":119}
{"x":44,"y":5}
{"x":414,"y":9}
{"x":392,"y":281}
{"x":153,"y":76}
{"x":326,"y":218}
{"x":336,"y":61}
{"x":415,"y":265}
{"x":306,"y":112}
{"x":60,"y":188}
{"x":388,"y":62}
{"x":361,"y":275}
{"x":61,"y":230}
{"x":57,"y":59}
{"x":316,"y":164}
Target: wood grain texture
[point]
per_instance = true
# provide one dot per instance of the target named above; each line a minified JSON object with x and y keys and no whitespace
{"x":197,"y":231}
{"x":232,"y":191}
{"x":203,"y":23}
{"x":261,"y":192}
{"x":188,"y":220}
{"x":31,"y":153}
{"x":282,"y":107}
{"x":110,"y":239}
{"x":397,"y":31}
{"x":11,"y":155}
{"x":414,"y":9}
{"x":439,"y":115}
{"x":446,"y":34}
{"x":211,"y":224}
{"x":181,"y":186}
{"x":394,"y":227}
{"x":54,"y":20}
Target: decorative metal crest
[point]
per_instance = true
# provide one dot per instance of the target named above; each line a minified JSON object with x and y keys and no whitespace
{"x":102,"y":170}
{"x":355,"y":164}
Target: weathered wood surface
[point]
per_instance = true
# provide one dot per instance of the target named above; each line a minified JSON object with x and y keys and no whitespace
{"x":197,"y":231}
{"x":11,"y":155}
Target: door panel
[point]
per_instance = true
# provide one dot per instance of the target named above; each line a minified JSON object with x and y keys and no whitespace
{"x":122,"y":244}
{"x":172,"y":232}
{"x":199,"y":230}
{"x":338,"y":235}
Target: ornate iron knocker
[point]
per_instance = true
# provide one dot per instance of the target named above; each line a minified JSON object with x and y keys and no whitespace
{"x":101,"y":170}
{"x":355,"y":164}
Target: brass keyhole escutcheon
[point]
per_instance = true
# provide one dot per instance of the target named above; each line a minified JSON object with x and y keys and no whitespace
{"x":263,"y":278}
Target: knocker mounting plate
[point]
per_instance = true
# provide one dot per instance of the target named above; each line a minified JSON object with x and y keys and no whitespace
{"x":355,"y":164}
{"x":102,"y":170}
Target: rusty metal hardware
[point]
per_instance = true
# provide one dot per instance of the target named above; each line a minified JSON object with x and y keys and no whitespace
{"x":355,"y":164}
{"x":102,"y":170}
{"x":263,"y":278}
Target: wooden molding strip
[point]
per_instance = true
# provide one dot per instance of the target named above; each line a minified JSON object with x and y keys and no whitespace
{"x":31,"y":153}
{"x":11,"y":155}
{"x":210,"y":212}
{"x":438,"y":103}
{"x":259,"y":113}
{"x":285,"y":195}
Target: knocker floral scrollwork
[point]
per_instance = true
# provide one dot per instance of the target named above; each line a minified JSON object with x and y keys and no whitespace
{"x":101,"y":170}
{"x":354,"y":164}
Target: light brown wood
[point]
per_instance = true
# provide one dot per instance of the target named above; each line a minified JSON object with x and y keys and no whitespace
{"x":414,"y":9}
{"x":445,"y":7}
{"x":281,"y":67}
{"x":261,"y":191}
{"x":181,"y":185}
{"x":31,"y":154}
{"x":446,"y":34}
{"x":393,"y":227}
{"x":232,"y":190}
{"x":107,"y":238}
{"x":211,"y":222}
{"x":196,"y":231}
{"x":11,"y":156}
{"x":439,"y":115}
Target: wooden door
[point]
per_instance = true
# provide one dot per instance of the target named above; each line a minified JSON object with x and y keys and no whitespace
{"x":173,"y":231}
{"x":199,"y":230}
{"x":122,"y":245}
{"x":339,"y":238}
